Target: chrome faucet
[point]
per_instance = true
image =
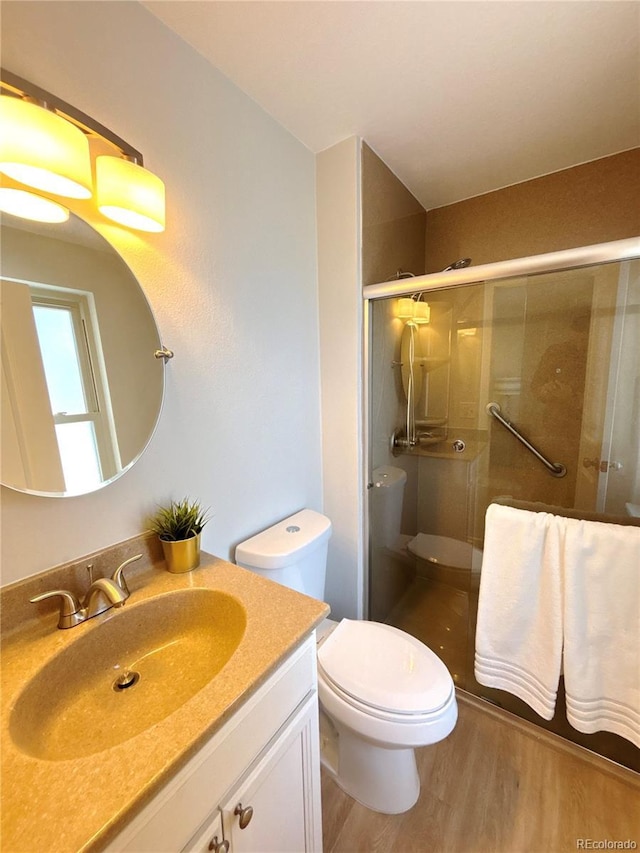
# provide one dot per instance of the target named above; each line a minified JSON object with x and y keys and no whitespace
{"x":103,"y":594}
{"x":118,"y":576}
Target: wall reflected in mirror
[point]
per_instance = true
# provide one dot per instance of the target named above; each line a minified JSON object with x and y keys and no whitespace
{"x":81,"y":386}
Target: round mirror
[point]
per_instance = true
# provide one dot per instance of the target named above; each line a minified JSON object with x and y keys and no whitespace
{"x":82,"y":387}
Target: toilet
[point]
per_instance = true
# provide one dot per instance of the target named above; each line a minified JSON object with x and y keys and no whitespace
{"x":386,"y":508}
{"x":382,"y":693}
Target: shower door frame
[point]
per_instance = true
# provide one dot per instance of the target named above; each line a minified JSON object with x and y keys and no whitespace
{"x":583,"y":256}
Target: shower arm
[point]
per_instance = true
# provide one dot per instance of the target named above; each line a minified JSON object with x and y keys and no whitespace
{"x":556,"y":469}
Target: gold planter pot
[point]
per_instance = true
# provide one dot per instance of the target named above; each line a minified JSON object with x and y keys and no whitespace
{"x":182,"y":555}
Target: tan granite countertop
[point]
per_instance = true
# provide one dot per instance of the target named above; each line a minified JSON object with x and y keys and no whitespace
{"x":81,"y":804}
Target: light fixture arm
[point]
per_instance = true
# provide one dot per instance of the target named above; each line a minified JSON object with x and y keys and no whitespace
{"x":12,"y":84}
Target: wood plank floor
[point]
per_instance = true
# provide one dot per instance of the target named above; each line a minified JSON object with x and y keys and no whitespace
{"x":495,"y":785}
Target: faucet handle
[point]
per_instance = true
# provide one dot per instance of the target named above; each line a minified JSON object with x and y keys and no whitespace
{"x":70,"y":613}
{"x":118,"y":576}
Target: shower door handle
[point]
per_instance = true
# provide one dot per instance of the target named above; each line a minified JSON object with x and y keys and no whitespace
{"x":602,"y":465}
{"x":591,"y":463}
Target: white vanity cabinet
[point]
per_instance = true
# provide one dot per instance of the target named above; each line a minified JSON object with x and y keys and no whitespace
{"x":266,"y":812}
{"x":254,"y":787}
{"x":211,"y":839}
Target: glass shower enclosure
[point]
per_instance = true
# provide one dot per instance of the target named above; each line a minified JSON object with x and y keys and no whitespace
{"x":523,"y":389}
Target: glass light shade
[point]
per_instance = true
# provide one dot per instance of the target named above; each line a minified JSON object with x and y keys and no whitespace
{"x":129,"y":194}
{"x":422,"y":312}
{"x":43,"y":150}
{"x":31,"y":206}
{"x":405,"y":308}
{"x":410,"y":309}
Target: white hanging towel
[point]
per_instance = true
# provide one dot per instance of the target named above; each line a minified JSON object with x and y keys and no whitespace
{"x":519,"y":627}
{"x":602,"y":627}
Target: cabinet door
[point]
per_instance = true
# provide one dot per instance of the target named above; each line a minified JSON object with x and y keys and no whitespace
{"x":281,"y":796}
{"x":210,"y":840}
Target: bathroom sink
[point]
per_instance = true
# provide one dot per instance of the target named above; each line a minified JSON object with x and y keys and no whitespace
{"x":136,"y":667}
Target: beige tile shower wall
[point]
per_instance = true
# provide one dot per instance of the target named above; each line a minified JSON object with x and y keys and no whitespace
{"x":591,"y":203}
{"x":393,"y":223}
{"x":387,"y":404}
{"x":467,"y":333}
{"x":393,"y":229}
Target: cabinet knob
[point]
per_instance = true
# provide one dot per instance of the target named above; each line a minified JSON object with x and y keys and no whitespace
{"x":218,"y":846}
{"x":245,"y":814}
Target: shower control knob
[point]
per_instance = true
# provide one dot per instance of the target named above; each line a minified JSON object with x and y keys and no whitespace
{"x":458,"y":445}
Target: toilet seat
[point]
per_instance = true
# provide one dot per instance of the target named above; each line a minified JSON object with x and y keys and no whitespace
{"x":401,"y":718}
{"x":382,"y":671}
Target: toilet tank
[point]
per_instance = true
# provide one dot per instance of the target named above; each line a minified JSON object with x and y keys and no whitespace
{"x":386,"y":505}
{"x":293,"y":552}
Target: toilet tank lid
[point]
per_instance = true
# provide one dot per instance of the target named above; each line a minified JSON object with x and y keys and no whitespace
{"x":286,"y":542}
{"x":389,"y":475}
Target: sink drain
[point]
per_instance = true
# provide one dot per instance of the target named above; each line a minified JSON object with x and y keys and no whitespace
{"x":126,"y":680}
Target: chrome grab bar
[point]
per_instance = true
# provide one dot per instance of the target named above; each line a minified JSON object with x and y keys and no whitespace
{"x":556,"y":469}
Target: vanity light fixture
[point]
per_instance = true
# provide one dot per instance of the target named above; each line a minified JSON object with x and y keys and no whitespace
{"x":41,"y":149}
{"x":405,"y":308}
{"x":411,"y":308}
{"x":44,"y":144}
{"x":129,"y":194}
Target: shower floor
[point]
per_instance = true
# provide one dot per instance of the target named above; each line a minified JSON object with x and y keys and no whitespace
{"x":438,"y":615}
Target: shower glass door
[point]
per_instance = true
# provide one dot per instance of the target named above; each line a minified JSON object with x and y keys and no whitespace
{"x":557,"y":356}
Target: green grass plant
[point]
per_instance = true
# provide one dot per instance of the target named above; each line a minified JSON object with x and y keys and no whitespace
{"x":180,"y":520}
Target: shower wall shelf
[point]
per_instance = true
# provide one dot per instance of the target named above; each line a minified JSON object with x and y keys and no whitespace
{"x":425,"y":423}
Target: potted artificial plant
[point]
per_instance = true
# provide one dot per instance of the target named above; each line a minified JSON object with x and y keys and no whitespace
{"x":178,"y":527}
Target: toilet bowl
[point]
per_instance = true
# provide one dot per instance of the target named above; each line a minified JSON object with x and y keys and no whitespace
{"x":444,"y":559}
{"x":382,"y":693}
{"x":385,"y":693}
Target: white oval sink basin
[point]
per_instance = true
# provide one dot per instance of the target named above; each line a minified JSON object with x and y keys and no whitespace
{"x":162,"y":652}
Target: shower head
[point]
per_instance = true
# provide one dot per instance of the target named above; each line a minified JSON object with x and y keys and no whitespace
{"x":402,"y":274}
{"x":458,"y":265}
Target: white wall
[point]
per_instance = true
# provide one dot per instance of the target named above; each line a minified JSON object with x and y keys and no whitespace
{"x":340,"y":289}
{"x":232,"y":282}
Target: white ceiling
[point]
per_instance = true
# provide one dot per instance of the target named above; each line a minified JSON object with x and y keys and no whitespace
{"x":457,"y":97}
